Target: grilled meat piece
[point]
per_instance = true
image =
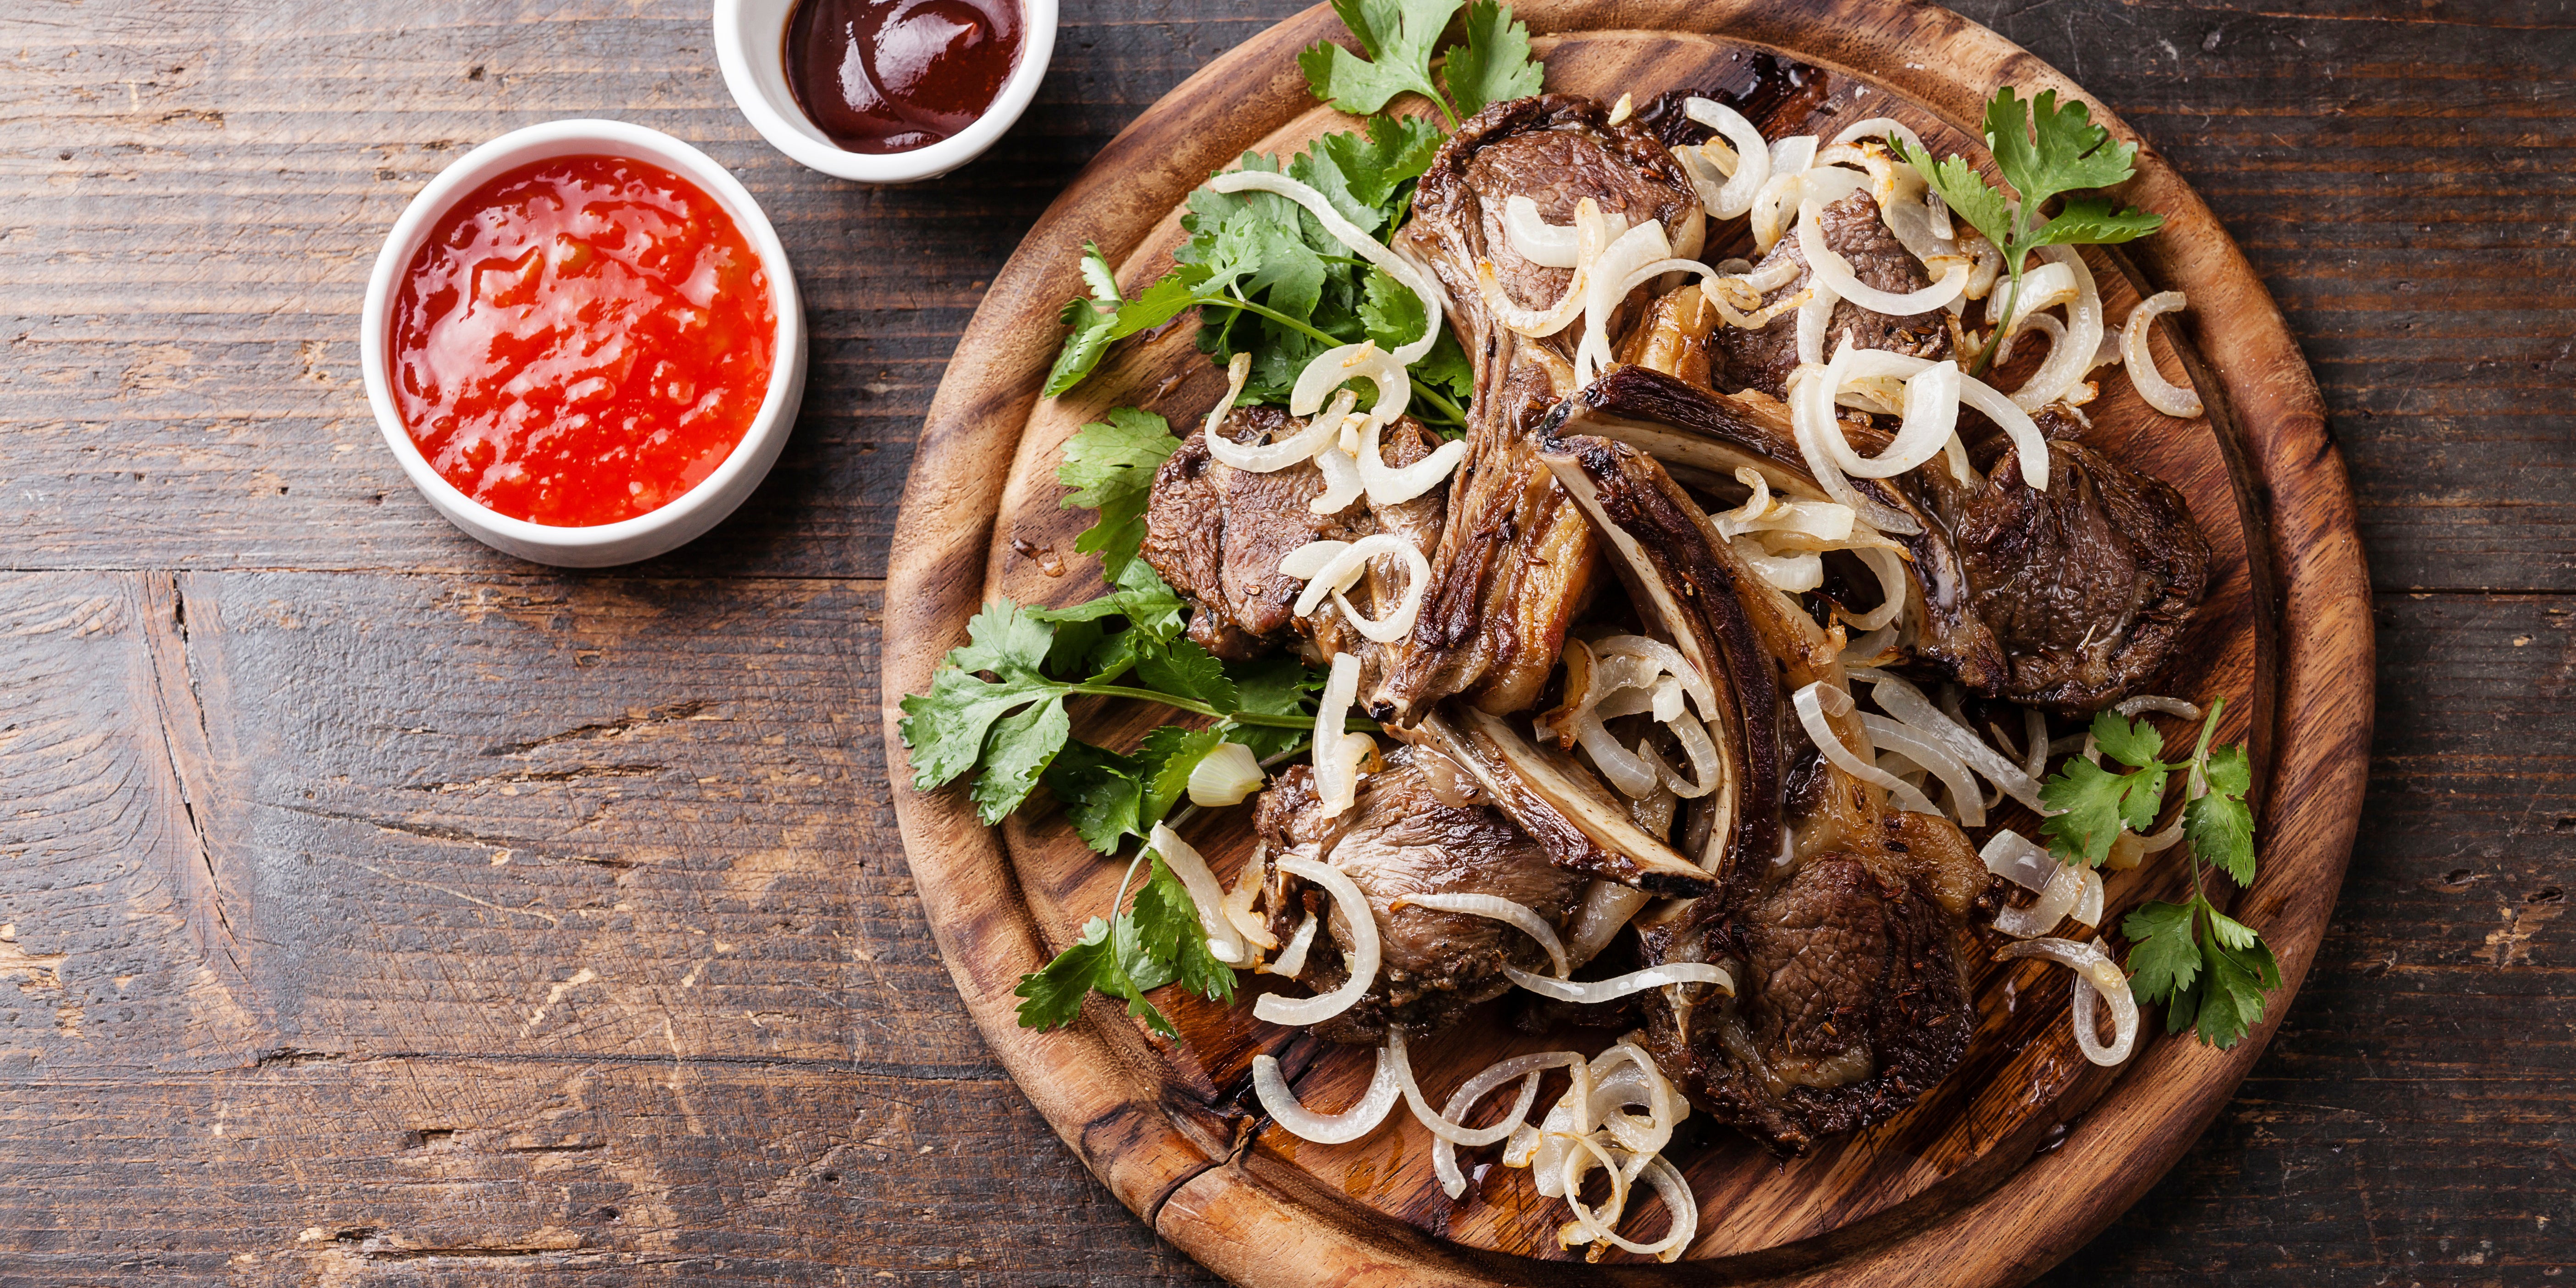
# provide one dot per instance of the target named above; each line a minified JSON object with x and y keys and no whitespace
{"x":2087,"y":587}
{"x":1763,"y":359}
{"x":1849,"y":1001}
{"x":1216,"y":533}
{"x":1421,"y":827}
{"x":1515,"y":562}
{"x":1580,"y":825}
{"x":2069,"y":599}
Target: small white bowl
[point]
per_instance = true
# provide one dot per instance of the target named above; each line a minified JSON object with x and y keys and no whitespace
{"x":696,"y":510}
{"x":751,"y":47}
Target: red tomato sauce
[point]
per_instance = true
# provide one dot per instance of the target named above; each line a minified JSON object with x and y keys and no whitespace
{"x":581,"y":340}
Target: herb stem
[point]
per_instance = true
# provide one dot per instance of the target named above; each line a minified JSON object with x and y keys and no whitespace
{"x":1192,"y":706}
{"x":1420,"y":390}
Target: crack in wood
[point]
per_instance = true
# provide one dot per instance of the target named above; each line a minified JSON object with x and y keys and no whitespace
{"x":689,"y":710}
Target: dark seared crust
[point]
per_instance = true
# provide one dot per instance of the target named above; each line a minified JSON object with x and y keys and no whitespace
{"x":1676,"y":421}
{"x":1763,"y":359}
{"x":1840,"y":964}
{"x":1401,"y":838}
{"x":1693,"y":596}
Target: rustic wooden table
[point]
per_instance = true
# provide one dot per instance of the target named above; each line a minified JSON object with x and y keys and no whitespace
{"x":374,"y":907}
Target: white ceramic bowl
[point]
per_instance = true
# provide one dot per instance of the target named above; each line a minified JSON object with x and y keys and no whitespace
{"x":696,"y":510}
{"x":751,"y":47}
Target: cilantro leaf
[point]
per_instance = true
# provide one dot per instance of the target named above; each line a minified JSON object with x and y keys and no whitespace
{"x":2226,"y":770}
{"x":1278,"y":685}
{"x":2163,"y":953}
{"x":1966,"y":191}
{"x":1110,"y":466}
{"x":1374,"y":165}
{"x":1167,"y":922}
{"x":945,"y":727}
{"x":1171,"y":752}
{"x":2090,"y":811}
{"x":1183,"y":668}
{"x":1103,"y":317}
{"x":1102,"y":793}
{"x":2239,"y":975}
{"x":2044,"y":149}
{"x":1019,"y":749}
{"x":1398,"y":36}
{"x":1055,"y":992}
{"x":1004,"y":638}
{"x":1391,"y":312}
{"x":2221,"y":830}
{"x":1494,"y":64}
{"x":2091,"y":221}
{"x":2134,"y":743}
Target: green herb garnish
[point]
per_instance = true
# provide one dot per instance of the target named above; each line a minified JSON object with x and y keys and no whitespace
{"x":2210,"y":969}
{"x":2043,"y":151}
{"x":1401,"y":36}
{"x":1159,"y":941}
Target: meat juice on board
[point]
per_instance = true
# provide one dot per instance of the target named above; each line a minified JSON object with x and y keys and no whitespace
{"x":581,"y":340}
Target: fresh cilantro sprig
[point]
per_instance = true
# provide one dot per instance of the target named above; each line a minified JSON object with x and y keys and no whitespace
{"x":2044,"y":151}
{"x":2209,"y":969}
{"x":1269,"y":281}
{"x":1265,"y":276}
{"x":1156,"y":942}
{"x":1401,"y":37}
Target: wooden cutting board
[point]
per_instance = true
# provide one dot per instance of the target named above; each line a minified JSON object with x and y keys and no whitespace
{"x":2014,"y":1160}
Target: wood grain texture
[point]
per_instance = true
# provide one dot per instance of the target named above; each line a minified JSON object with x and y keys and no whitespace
{"x":177,"y":297}
{"x":1890,"y":1206}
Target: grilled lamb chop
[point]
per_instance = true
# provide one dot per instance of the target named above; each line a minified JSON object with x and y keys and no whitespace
{"x":1741,"y":359}
{"x":1837,"y":913}
{"x":1515,"y":562}
{"x":1420,"y":827}
{"x":1216,"y":534}
{"x":2069,"y":599}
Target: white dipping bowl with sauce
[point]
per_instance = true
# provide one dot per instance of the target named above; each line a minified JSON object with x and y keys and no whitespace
{"x":687,"y":516}
{"x":751,"y":47}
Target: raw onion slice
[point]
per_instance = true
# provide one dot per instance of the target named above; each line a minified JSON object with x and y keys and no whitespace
{"x":1535,"y":323}
{"x":2088,"y":903}
{"x":1753,"y":157}
{"x":1835,"y":271}
{"x":2015,"y":858}
{"x":2160,"y":393}
{"x":1528,"y":1068}
{"x":1334,"y":368}
{"x":1348,"y":234}
{"x":1708,"y":770}
{"x":2093,"y":967}
{"x":1606,"y":284}
{"x":1670,"y":659}
{"x":2071,"y":357}
{"x":1338,"y":753}
{"x":1910,"y":743}
{"x":1870,"y":649}
{"x":1589,"y":992}
{"x":1362,"y":958}
{"x":1292,"y":959}
{"x":1876,"y":127}
{"x":1209,"y":897}
{"x":1326,"y":1129}
{"x":1812,"y":318}
{"x":2034,"y":764}
{"x":1499,"y":909}
{"x":1890,"y":569}
{"x":1899,"y":698}
{"x":1344,"y":570}
{"x":1238,"y":905}
{"x":1238,"y":369}
{"x":1533,"y":238}
{"x":1311,"y":558}
{"x":1342,"y":483}
{"x":1394,"y":485}
{"x":1813,"y":702}
{"x":2163,"y":705}
{"x":1631,"y":773}
{"x":1812,"y":421}
{"x":2064,"y":890}
{"x":1270,"y":458}
{"x":1224,"y":776}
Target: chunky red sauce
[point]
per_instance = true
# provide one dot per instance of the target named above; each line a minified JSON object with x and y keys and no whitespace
{"x":582,"y":340}
{"x":894,"y":75}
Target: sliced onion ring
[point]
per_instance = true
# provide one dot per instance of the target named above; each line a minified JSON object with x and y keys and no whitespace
{"x":1589,"y":992}
{"x":1359,"y":1120}
{"x":1813,"y":702}
{"x":2064,"y":890}
{"x":2160,"y":393}
{"x":1753,"y":157}
{"x":2015,"y":858}
{"x":2093,"y":967}
{"x":1333,"y":368}
{"x":1533,"y":238}
{"x":1342,"y":483}
{"x":1186,"y":863}
{"x":1339,"y":753}
{"x":1269,"y":458}
{"x":1835,"y":271}
{"x":1292,"y":959}
{"x":1394,"y":485}
{"x":1362,"y":959}
{"x":1499,"y":909}
{"x":1444,"y":1149}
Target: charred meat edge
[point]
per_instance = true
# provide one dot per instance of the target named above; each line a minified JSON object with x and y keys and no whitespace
{"x":1556,"y":801}
{"x":1676,"y":579}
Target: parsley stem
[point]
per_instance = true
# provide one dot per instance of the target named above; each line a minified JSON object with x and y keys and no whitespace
{"x":1193,"y":706}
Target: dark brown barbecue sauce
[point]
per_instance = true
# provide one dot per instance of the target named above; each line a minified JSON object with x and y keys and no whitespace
{"x":893,"y":75}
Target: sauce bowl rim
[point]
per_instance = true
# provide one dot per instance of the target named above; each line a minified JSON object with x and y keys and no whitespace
{"x":705,"y":503}
{"x":745,"y":55}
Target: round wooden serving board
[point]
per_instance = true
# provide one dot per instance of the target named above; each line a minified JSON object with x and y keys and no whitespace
{"x":2023,"y":1152}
